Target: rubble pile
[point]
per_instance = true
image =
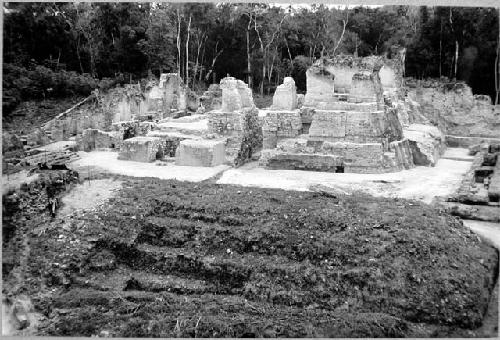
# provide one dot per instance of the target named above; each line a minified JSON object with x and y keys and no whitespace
{"x":478,"y":196}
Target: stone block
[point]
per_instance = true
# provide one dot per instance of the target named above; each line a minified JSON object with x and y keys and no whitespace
{"x":285,"y":96}
{"x":426,"y":142}
{"x":140,"y":149}
{"x":201,"y":152}
{"x":276,"y":159}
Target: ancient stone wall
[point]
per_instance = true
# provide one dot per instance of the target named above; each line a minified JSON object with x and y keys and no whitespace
{"x":92,"y":139}
{"x":278,"y":125}
{"x":140,"y":149}
{"x":237,"y":121}
{"x":242,"y":131}
{"x":454,"y":109}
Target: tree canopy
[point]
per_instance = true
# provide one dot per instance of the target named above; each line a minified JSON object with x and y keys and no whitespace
{"x":204,"y":42}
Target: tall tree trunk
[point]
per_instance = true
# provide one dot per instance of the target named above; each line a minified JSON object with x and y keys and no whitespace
{"x":497,"y":65}
{"x":78,"y":53}
{"x":440,"y":49}
{"x":186,"y":81}
{"x":249,"y":63}
{"x":198,"y":49}
{"x":288,"y":50}
{"x":217,"y":54}
{"x":202,"y":63}
{"x":345,"y":22}
{"x":179,"y":42}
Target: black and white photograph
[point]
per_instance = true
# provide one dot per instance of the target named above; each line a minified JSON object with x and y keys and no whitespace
{"x":251,"y":169}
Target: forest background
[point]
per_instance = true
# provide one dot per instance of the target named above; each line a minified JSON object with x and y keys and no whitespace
{"x":54,"y":50}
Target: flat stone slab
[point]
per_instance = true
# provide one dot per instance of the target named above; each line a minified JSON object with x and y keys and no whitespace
{"x":57,"y":146}
{"x":187,"y":127}
{"x":140,"y":149}
{"x":200,"y":152}
{"x":171,"y":135}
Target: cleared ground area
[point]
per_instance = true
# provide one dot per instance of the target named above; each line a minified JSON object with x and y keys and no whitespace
{"x":99,"y":161}
{"x":421,"y":183}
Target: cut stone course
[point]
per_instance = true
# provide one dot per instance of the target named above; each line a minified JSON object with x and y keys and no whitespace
{"x":200,"y":152}
{"x":140,"y":149}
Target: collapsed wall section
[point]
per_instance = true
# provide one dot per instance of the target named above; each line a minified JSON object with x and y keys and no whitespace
{"x":454,"y":109}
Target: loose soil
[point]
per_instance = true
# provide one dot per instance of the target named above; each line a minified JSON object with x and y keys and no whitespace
{"x":168,"y":258}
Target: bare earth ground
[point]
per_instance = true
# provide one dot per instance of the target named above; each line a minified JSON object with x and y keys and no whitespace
{"x":88,"y":195}
{"x":421,"y":183}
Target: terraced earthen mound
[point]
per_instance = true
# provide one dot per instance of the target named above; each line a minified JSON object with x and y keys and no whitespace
{"x":169,"y":259}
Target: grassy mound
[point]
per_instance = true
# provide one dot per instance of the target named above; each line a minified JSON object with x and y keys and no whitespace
{"x":170,"y":259}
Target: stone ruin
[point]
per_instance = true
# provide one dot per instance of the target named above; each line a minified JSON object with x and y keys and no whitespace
{"x":211,"y":99}
{"x":171,"y":98}
{"x":453,"y":107}
{"x":478,"y":196}
{"x":344,"y":125}
{"x":228,"y":135}
{"x":237,"y":121}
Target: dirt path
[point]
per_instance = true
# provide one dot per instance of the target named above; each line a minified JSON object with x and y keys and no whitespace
{"x":88,"y":195}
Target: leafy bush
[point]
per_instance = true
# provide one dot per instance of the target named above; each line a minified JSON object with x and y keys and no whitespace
{"x":300,"y":65}
{"x":40,"y":82}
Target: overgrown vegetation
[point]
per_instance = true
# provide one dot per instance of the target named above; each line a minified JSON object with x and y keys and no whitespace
{"x":206,"y":41}
{"x":167,"y":258}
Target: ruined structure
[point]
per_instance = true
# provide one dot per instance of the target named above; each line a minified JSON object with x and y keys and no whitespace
{"x":141,"y":149}
{"x":344,"y":124}
{"x":211,"y":99}
{"x":236,"y":121}
{"x":455,"y":110}
{"x":478,"y":196}
{"x":228,"y":135}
